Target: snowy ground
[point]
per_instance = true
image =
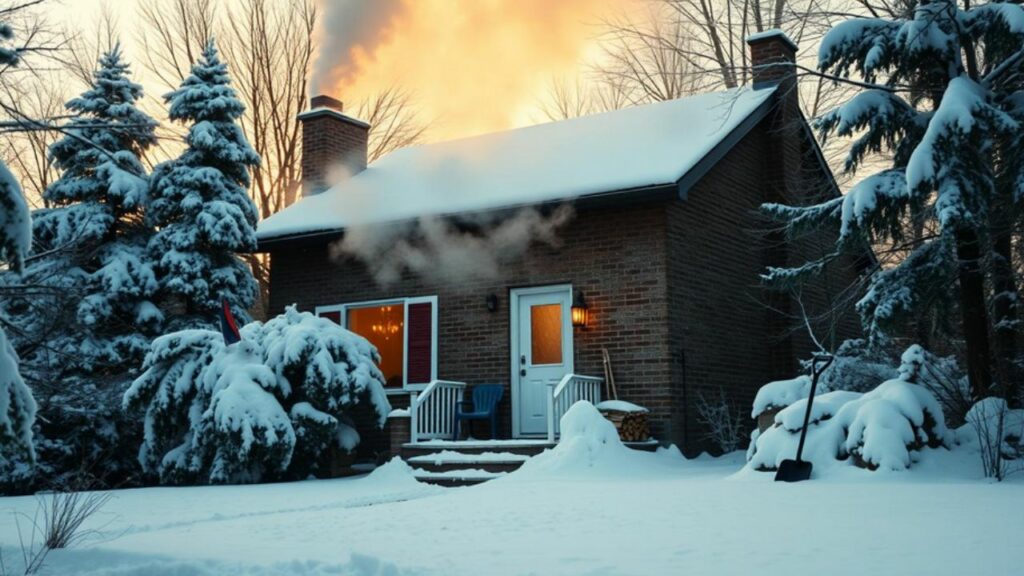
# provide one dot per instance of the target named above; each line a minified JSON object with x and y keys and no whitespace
{"x":587,"y":508}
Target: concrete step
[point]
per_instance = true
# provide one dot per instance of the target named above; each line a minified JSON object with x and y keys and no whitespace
{"x":460,"y":477}
{"x":450,"y":460}
{"x":520,"y":447}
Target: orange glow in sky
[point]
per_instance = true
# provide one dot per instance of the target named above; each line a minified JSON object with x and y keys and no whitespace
{"x":473,"y":65}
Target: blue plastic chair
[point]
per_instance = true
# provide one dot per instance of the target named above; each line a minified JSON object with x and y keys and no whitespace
{"x":484,"y":406}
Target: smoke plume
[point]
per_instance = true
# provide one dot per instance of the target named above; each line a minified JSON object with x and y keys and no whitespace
{"x":349,"y":27}
{"x":440,"y":251}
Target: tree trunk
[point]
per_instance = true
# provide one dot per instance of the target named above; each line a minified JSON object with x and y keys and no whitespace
{"x":1004,"y":289}
{"x":973,"y":312}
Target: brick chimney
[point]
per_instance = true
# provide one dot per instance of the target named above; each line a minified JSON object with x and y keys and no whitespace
{"x":772,"y":57}
{"x":330,"y":140}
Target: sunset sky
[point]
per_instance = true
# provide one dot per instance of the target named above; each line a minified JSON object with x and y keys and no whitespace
{"x":473,"y":65}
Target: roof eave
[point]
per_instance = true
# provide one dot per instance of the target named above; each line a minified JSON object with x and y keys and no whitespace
{"x":652,"y":192}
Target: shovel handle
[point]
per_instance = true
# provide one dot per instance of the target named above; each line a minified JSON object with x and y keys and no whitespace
{"x":815,"y":374}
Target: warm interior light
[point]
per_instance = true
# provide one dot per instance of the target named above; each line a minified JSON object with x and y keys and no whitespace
{"x":580,"y":313}
{"x":384,"y":327}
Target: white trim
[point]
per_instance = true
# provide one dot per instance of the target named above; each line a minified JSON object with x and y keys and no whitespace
{"x":513,"y":322}
{"x":343,"y":309}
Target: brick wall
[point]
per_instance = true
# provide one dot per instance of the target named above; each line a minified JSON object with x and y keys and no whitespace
{"x":615,"y":256}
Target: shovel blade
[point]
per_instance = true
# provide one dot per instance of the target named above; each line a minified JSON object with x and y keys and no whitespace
{"x":793,"y":471}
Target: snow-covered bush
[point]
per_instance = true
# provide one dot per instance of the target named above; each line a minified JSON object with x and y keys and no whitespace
{"x":779,"y":394}
{"x":249,"y":433}
{"x":942,"y":377}
{"x":269,"y":407}
{"x":997,"y":431}
{"x":857,"y":367}
{"x":881,"y":428}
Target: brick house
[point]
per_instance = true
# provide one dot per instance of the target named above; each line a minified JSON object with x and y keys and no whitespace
{"x":662,"y":252}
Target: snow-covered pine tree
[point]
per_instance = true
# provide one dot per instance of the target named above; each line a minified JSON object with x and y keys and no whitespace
{"x":941,"y":98}
{"x":90,"y":246}
{"x":85,"y":328}
{"x":199,"y":201}
{"x":17,"y":406}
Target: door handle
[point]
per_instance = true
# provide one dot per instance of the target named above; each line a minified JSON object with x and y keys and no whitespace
{"x":522,"y":372}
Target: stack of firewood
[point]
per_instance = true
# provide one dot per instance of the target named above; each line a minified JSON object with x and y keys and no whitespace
{"x":632,"y":426}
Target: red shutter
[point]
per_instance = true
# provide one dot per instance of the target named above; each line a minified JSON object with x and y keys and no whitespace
{"x":332,"y":315}
{"x":419,"y":334}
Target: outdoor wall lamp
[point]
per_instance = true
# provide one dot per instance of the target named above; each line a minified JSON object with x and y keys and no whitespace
{"x":580,"y":312}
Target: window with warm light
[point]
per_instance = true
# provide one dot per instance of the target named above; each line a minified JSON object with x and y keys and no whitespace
{"x":384,"y":326}
{"x":404,"y":331}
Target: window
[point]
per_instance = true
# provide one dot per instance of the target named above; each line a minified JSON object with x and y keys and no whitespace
{"x":404,"y":331}
{"x":546,"y":334}
{"x":384,"y":326}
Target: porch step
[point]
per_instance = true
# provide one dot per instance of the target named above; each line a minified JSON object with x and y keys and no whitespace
{"x":450,"y":461}
{"x":469,"y":462}
{"x":457,"y":477}
{"x":517,"y":447}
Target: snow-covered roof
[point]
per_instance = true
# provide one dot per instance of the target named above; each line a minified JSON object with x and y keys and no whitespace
{"x":633,"y":148}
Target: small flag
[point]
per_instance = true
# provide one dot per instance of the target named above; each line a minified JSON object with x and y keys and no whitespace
{"x":228,"y":327}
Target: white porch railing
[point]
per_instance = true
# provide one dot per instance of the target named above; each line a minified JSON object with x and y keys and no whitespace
{"x":432,"y":409}
{"x":570,"y":390}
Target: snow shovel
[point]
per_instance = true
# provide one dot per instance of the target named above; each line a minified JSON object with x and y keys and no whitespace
{"x":798,"y":470}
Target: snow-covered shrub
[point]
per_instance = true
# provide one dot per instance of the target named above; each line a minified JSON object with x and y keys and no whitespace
{"x":171,"y":393}
{"x":779,"y":394}
{"x":17,"y":414}
{"x":885,"y":425}
{"x":269,"y":407}
{"x":997,"y":431}
{"x":857,"y":367}
{"x":942,"y":377}
{"x":824,"y":439}
{"x":881,"y":428}
{"x":249,"y":433}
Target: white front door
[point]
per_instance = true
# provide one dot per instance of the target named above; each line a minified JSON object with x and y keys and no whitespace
{"x":541,"y":352}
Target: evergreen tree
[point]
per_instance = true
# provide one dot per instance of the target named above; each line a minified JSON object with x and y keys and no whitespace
{"x":942,"y":98}
{"x":199,"y":201}
{"x":91,"y":244}
{"x":17,"y":406}
{"x":85,"y":328}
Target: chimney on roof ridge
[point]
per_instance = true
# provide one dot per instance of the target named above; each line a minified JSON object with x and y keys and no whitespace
{"x":772,"y":57}
{"x":331,"y":142}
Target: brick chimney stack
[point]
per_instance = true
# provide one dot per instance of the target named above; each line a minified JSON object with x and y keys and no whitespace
{"x":331,"y":140}
{"x":772,"y":57}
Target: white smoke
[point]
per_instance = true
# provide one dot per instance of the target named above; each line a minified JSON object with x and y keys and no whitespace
{"x":439,"y":250}
{"x":346,"y":25}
